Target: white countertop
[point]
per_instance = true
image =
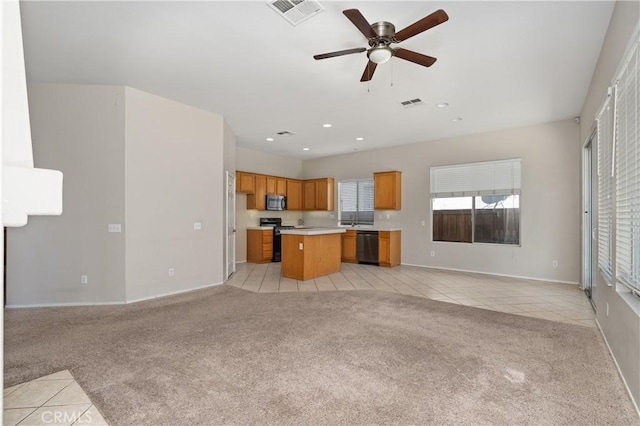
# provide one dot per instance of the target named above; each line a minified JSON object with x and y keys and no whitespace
{"x":372,"y":228}
{"x":313,"y":231}
{"x":325,"y":229}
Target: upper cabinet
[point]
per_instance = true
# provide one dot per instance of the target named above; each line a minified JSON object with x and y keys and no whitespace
{"x":387,"y":190}
{"x":318,"y":194}
{"x":294,"y":194}
{"x":276,"y":185}
{"x":245,"y":182}
{"x":312,"y":194}
{"x":257,"y":200}
{"x":281,"y":186}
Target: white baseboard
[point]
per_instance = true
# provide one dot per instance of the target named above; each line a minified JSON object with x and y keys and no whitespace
{"x":124,"y":302}
{"x":173,"y":293}
{"x":493,"y":273}
{"x":62,"y":305}
{"x":615,"y":361}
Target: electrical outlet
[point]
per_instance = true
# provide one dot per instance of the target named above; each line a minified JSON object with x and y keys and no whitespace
{"x":554,"y":263}
{"x":197,"y":226}
{"x":172,"y":272}
{"x":300,"y":246}
{"x":388,"y":216}
{"x":433,"y":253}
{"x":115,"y":227}
{"x":422,"y":223}
{"x":84,"y":279}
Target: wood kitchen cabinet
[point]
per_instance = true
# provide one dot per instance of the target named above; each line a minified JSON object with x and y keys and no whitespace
{"x":318,"y":194}
{"x":271,"y":184}
{"x":294,"y":194}
{"x":310,"y":195}
{"x":259,"y":245}
{"x":245,"y":182}
{"x":276,"y":185}
{"x":389,"y":248}
{"x":349,"y":246}
{"x":281,"y":186}
{"x":387,"y":190}
{"x":257,"y":200}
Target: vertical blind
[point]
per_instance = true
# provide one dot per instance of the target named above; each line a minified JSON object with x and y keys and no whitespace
{"x":356,"y":202}
{"x":627,"y":145}
{"x":605,"y":190}
{"x":473,"y":179}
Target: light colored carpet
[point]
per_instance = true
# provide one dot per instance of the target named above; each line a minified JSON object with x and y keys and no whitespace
{"x":227,"y":356}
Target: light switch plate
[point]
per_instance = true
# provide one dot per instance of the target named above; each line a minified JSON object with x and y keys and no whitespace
{"x":115,"y":227}
{"x":197,"y":226}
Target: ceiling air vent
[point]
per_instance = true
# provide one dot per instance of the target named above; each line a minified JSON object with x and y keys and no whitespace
{"x":296,"y":11}
{"x":412,"y":103}
{"x":286,"y":133}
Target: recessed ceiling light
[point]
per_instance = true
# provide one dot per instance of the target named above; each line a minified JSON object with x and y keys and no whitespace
{"x":442,"y":105}
{"x":326,"y":125}
{"x":359,"y":139}
{"x":305,"y":149}
{"x":457,"y":119}
{"x":269,"y":139}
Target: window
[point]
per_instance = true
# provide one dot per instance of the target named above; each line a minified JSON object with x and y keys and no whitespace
{"x":605,"y":190}
{"x":627,"y":189}
{"x":477,"y":202}
{"x":356,"y":202}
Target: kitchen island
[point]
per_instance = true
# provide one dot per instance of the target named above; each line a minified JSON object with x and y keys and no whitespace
{"x":312,"y":252}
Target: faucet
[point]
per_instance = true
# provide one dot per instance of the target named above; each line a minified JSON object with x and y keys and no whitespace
{"x":352,"y":218}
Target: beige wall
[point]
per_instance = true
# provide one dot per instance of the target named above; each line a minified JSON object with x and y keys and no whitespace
{"x":550,"y":212}
{"x":621,"y":324}
{"x":259,"y":162}
{"x":174,"y":156}
{"x":150,"y":164}
{"x":80,"y":131}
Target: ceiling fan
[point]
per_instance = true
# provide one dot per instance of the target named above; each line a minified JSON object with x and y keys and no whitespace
{"x":380,"y":36}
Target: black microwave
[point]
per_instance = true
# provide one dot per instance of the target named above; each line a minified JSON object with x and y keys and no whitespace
{"x":276,"y":202}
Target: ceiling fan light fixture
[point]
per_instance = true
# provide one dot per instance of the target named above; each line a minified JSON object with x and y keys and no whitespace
{"x":379,"y":54}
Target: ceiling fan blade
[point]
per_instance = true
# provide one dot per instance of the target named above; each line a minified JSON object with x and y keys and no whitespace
{"x":339,"y":53}
{"x":360,"y":22}
{"x":430,"y":21}
{"x":415,"y":57}
{"x":368,"y":71}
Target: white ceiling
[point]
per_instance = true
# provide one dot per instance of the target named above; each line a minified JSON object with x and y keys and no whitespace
{"x":500,"y":65}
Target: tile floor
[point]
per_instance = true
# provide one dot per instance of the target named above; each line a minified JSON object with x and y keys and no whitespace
{"x":540,"y":299}
{"x":56,"y":399}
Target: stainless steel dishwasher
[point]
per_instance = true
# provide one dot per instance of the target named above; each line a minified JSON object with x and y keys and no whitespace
{"x":367,"y":247}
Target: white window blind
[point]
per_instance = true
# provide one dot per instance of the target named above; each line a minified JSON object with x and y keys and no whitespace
{"x":473,"y":179}
{"x":356,"y":202}
{"x":627,"y":113}
{"x":605,"y":190}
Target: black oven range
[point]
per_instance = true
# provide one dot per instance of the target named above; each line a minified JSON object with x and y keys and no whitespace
{"x":276,"y":223}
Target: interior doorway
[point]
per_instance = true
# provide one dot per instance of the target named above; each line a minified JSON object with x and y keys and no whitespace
{"x":231,"y":225}
{"x":589,"y":249}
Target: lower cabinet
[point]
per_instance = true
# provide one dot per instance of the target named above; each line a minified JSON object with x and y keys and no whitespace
{"x":349,"y":246}
{"x":389,"y":248}
{"x":259,"y":245}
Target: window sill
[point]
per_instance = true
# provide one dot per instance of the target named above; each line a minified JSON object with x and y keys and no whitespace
{"x":631,"y":300}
